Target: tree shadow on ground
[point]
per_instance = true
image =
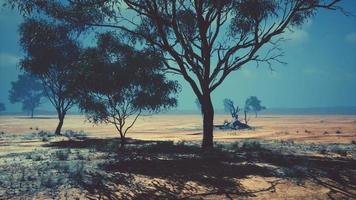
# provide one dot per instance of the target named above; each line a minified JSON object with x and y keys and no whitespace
{"x":164,"y":170}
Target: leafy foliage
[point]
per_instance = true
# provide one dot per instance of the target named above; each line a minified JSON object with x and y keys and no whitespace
{"x":253,"y":104}
{"x":119,"y":81}
{"x":2,"y":107}
{"x":28,"y":90}
{"x":51,"y":55}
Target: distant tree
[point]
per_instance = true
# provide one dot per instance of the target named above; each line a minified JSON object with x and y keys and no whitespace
{"x":28,"y":90}
{"x":51,"y":55}
{"x":119,"y":83}
{"x":2,"y":107}
{"x":230,"y":107}
{"x":253,"y":104}
{"x":204,"y":41}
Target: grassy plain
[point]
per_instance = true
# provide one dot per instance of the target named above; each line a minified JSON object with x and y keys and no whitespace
{"x":282,"y":157}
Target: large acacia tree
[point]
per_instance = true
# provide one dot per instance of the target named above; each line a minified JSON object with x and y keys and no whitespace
{"x":202,"y":40}
{"x":51,"y":55}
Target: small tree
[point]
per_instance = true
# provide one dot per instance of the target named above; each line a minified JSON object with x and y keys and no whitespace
{"x":120,"y":83}
{"x":253,"y":104}
{"x":2,"y":107}
{"x":51,"y":55}
{"x":28,"y":90}
{"x":230,"y":107}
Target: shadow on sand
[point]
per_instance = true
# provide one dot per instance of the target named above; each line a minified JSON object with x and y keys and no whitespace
{"x":180,"y":171}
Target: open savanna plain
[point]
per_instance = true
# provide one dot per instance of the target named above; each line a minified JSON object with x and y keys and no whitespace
{"x":281,"y":157}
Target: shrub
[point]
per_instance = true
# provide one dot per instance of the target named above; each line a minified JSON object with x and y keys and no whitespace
{"x":77,"y":174}
{"x":45,"y":139}
{"x":36,"y":157}
{"x":235,"y":146}
{"x":80,"y":156}
{"x":251,"y":145}
{"x":323,"y":150}
{"x":48,"y":181}
{"x":62,"y":154}
{"x":180,"y":143}
{"x":74,"y":134}
{"x":339,"y":150}
{"x":219,"y":146}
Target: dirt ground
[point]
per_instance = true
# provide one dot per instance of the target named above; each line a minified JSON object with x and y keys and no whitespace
{"x":282,"y":157}
{"x":299,"y":128}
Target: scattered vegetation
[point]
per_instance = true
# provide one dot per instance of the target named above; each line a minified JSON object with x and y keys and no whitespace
{"x":62,"y":154}
{"x":64,"y":165}
{"x":251,"y":145}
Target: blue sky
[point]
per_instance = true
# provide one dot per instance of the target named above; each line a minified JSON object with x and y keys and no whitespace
{"x":320,"y":70}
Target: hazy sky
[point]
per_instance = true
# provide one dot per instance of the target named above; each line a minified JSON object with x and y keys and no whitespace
{"x":321,"y":69}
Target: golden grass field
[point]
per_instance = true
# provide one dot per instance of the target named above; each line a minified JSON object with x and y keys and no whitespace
{"x":305,"y":148}
{"x":299,"y":128}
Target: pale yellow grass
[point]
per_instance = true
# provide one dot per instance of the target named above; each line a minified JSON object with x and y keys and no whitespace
{"x":299,"y":128}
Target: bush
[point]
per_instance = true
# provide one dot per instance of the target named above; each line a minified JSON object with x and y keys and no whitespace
{"x":181,"y":143}
{"x":323,"y":150}
{"x":80,"y":156}
{"x":219,"y":146}
{"x":339,"y":150}
{"x":235,"y":146}
{"x":74,"y":134}
{"x":77,"y":174}
{"x":251,"y":145}
{"x":48,"y":181}
{"x":62,"y":154}
{"x":45,"y":139}
{"x":35,"y":157}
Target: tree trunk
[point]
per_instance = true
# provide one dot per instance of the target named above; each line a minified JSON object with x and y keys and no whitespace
{"x":122,"y":142}
{"x":32,"y":113}
{"x":208,"y":122}
{"x":245,"y":112}
{"x":60,"y":124}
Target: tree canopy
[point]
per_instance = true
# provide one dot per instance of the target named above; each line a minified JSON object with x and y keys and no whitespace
{"x":51,"y":54}
{"x":119,"y":81}
{"x":28,"y":90}
{"x":253,"y":104}
{"x":2,"y":107}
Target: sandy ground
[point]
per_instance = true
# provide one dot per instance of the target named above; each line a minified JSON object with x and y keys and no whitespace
{"x":252,"y":175}
{"x":299,"y":128}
